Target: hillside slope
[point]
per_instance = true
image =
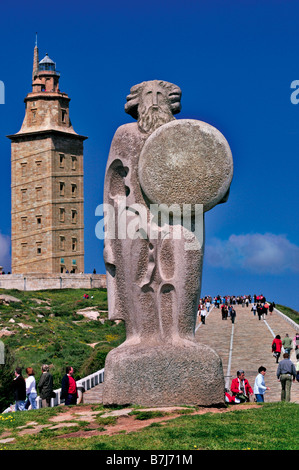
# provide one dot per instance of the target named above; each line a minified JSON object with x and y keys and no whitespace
{"x":58,"y":328}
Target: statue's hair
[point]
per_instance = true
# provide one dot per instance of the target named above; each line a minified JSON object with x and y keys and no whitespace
{"x":174,"y":97}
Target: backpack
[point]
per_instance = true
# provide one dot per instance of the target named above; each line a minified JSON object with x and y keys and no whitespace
{"x":274,"y":347}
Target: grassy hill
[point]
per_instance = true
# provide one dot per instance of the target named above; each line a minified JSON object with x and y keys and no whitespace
{"x":45,"y":328}
{"x":289,"y":312}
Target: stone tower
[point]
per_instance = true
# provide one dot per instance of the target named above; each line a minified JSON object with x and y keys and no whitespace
{"x":47,"y":225}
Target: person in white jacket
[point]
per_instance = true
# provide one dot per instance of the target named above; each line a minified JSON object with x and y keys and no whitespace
{"x":260,"y":388}
{"x":30,"y":389}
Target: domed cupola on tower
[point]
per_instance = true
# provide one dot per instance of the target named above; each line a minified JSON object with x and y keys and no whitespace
{"x":47,"y":64}
{"x":48,"y":75}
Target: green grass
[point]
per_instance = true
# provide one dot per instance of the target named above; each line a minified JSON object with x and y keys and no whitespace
{"x":289,"y":312}
{"x":144,"y":415}
{"x":60,"y":337}
{"x":55,"y":334}
{"x":270,"y":426}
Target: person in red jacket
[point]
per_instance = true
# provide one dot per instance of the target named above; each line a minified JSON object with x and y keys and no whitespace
{"x":240,"y":387}
{"x":276,"y":347}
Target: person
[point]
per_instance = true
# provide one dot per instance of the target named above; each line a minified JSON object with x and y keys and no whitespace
{"x":45,"y":386}
{"x":271,"y":307}
{"x":297,"y":371}
{"x":224,"y":312}
{"x":233,"y":315}
{"x":259,"y":385}
{"x":287,"y":344}
{"x":285,"y":371}
{"x":276,"y":347}
{"x":296,"y":341}
{"x":264,"y":310}
{"x":69,"y":387}
{"x":240,"y":387}
{"x":254,"y":309}
{"x":208,"y":305}
{"x":203,"y":315}
{"x":259,"y":310}
{"x":30,"y":389}
{"x":19,"y":388}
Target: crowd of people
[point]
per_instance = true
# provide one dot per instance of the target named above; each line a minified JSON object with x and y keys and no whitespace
{"x":241,"y":390}
{"x":25,"y":390}
{"x":260,"y":306}
{"x":286,"y":371}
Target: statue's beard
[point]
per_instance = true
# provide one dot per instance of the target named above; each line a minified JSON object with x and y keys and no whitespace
{"x":149,"y":119}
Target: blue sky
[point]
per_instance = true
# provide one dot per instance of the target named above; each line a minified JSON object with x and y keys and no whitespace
{"x":234,"y":61}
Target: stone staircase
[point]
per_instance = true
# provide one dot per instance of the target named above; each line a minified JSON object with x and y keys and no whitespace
{"x":94,"y":395}
{"x":248,"y":348}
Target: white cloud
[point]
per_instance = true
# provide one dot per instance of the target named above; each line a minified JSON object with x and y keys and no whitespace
{"x":5,"y":252}
{"x":260,"y":253}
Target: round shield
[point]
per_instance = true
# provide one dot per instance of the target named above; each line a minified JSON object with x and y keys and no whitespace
{"x":186,"y":162}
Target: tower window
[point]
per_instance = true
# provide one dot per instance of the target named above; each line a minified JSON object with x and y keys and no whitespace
{"x":74,"y":163}
{"x":24,"y":223}
{"x":62,"y":188}
{"x":62,"y":243}
{"x":24,"y":195}
{"x":61,"y":214}
{"x":38,"y":193}
{"x":74,"y":244}
{"x":39,"y":221}
{"x":74,"y":216}
{"x":38,"y":167}
{"x":74,"y":190}
{"x":63,"y":115}
{"x":24,"y":169}
{"x":61,"y":160}
{"x":39,"y":248}
{"x":24,"y":249}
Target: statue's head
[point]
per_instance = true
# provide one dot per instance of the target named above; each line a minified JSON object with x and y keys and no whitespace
{"x":153,"y":103}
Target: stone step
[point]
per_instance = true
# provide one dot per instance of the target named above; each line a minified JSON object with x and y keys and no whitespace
{"x":251,"y":348}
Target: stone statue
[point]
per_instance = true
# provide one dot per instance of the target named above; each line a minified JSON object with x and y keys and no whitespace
{"x":162,"y":174}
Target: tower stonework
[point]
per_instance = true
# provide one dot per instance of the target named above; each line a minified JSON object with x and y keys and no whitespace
{"x":47,"y":224}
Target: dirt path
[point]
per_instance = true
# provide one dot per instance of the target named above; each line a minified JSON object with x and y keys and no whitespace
{"x":124,"y":422}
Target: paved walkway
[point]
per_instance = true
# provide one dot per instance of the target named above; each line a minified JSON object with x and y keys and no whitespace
{"x":245,"y":345}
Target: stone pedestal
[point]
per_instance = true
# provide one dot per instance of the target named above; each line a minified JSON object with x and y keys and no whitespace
{"x":159,"y":375}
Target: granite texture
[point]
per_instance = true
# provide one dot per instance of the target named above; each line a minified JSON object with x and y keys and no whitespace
{"x":154,"y":264}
